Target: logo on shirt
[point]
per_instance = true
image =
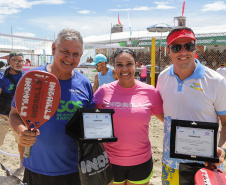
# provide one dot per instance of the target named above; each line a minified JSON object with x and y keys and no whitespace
{"x":67,"y":109}
{"x":196,"y":86}
{"x":11,"y":87}
{"x":122,"y":105}
{"x":75,"y":91}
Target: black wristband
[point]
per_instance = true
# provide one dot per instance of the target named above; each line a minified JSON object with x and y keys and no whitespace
{"x":224,"y":151}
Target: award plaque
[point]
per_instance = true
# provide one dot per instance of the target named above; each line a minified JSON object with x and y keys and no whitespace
{"x":92,"y":125}
{"x":194,"y":140}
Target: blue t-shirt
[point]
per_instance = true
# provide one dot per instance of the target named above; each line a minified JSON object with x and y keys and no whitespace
{"x":55,"y":153}
{"x":6,"y":84}
{"x":105,"y":79}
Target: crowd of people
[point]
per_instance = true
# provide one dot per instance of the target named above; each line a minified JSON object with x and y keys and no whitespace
{"x":186,"y":90}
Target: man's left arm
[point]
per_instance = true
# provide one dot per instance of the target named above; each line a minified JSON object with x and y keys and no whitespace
{"x":222,"y":141}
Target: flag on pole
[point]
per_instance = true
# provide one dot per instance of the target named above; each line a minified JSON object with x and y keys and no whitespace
{"x":119,"y":23}
{"x":130,"y":27}
{"x":182,"y":14}
{"x":183,"y":9}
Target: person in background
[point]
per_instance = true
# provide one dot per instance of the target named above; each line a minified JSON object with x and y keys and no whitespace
{"x":54,"y":154}
{"x":222,"y":69}
{"x":134,"y":102}
{"x":27,"y":64}
{"x":143,"y":74}
{"x":190,"y":91}
{"x":8,"y":83}
{"x":105,"y":75}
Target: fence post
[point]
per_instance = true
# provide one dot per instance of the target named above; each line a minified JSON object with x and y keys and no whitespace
{"x":153,"y":61}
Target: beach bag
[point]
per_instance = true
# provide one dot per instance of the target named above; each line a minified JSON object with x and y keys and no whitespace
{"x":5,"y":102}
{"x":93,"y":164}
{"x":6,"y":98}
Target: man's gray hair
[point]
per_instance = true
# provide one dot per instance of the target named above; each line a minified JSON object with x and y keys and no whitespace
{"x":69,"y":34}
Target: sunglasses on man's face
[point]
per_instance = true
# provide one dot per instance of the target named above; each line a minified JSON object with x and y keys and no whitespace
{"x":96,"y":66}
{"x":17,"y":61}
{"x":188,"y":46}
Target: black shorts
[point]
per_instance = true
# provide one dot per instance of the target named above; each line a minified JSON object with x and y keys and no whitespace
{"x":134,"y":174}
{"x":32,"y":178}
{"x":143,"y":79}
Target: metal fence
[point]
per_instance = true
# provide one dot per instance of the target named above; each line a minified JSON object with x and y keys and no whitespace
{"x":211,"y":51}
{"x":38,"y":51}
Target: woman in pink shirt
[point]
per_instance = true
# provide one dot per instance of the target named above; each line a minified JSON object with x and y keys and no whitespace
{"x":134,"y":102}
{"x":27,"y":64}
{"x":143,"y":74}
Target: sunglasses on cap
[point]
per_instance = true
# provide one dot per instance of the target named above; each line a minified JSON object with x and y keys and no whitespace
{"x":175,"y":48}
{"x":96,"y":65}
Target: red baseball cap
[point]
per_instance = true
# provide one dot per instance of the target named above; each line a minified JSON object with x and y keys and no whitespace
{"x":183,"y":33}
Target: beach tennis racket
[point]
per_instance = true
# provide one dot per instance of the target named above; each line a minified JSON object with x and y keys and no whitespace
{"x":210,"y":175}
{"x":37,"y":99}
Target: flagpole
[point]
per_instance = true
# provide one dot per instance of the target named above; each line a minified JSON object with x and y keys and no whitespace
{"x":130,"y":30}
{"x":12,"y":36}
{"x":110,"y":34}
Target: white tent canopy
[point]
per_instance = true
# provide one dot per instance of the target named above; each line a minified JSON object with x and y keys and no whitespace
{"x":121,"y":36}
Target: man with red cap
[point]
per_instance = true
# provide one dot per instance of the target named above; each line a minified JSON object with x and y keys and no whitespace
{"x":190,"y":91}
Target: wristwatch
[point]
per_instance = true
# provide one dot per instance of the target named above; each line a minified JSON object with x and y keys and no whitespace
{"x":224,"y":151}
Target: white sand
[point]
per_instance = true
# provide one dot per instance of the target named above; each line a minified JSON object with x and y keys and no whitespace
{"x":12,"y":163}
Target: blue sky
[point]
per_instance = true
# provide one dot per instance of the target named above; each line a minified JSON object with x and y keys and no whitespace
{"x":41,"y":18}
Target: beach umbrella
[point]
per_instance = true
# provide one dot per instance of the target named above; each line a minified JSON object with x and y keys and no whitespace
{"x":161,"y":27}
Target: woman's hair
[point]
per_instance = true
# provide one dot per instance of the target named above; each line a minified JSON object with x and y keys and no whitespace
{"x":125,"y":50}
{"x":69,"y":34}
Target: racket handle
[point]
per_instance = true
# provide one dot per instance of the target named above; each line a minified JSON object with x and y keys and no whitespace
{"x":27,"y":152}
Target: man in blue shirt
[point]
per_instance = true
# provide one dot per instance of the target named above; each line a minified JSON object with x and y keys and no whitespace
{"x":8,"y":82}
{"x":105,"y":75}
{"x":54,"y":154}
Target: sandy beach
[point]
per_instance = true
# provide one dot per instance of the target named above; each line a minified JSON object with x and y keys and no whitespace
{"x":12,"y":163}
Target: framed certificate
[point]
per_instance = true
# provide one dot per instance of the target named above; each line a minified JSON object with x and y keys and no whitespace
{"x":92,"y":125}
{"x":194,"y":140}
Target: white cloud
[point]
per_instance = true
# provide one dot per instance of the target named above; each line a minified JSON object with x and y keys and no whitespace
{"x":12,"y":6}
{"x":48,"y":2}
{"x":19,"y":28}
{"x":160,"y":6}
{"x":142,"y":8}
{"x":95,"y":25}
{"x":8,"y":11}
{"x":84,"y":12}
{"x":8,"y":7}
{"x":216,"y":6}
{"x":120,"y":10}
{"x":163,"y":6}
{"x":25,"y":34}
